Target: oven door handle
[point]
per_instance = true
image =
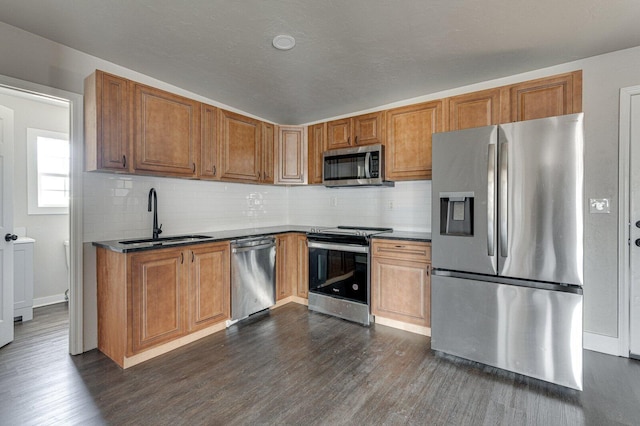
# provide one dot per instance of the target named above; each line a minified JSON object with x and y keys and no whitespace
{"x":339,"y":247}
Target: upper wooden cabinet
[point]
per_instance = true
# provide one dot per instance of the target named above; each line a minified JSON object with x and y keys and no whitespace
{"x":366,"y":129}
{"x":478,"y":109}
{"x":316,"y":144}
{"x":291,"y":155}
{"x":166,"y":132}
{"x":268,"y":147}
{"x":546,"y":97}
{"x":106,"y":123}
{"x":240,"y":140}
{"x":209,"y":150}
{"x":409,"y":130}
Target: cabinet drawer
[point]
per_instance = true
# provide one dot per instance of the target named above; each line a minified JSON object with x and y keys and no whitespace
{"x":399,"y":249}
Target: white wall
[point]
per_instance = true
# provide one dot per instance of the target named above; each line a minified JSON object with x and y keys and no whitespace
{"x":49,"y":231}
{"x":32,"y":58}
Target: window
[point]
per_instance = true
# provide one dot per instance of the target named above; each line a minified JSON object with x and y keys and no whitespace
{"x":48,"y":171}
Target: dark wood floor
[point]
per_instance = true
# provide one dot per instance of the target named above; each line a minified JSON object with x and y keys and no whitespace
{"x":295,"y":367}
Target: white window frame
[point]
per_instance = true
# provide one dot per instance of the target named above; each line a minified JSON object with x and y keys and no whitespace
{"x":32,"y":171}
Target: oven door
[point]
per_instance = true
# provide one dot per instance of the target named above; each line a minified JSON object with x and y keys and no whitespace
{"x":339,"y":270}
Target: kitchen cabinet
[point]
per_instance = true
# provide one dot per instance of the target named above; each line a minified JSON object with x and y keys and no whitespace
{"x":106,"y":123}
{"x":268,"y":147}
{"x":316,"y":147}
{"x":302,"y":266}
{"x":478,"y":109}
{"x":546,"y":97}
{"x":209,"y":150}
{"x":401,"y":281}
{"x":291,"y":155}
{"x":366,"y":129}
{"x":158,"y":291}
{"x":291,"y":266}
{"x":156,"y":298}
{"x":209,"y":285}
{"x":166,"y":132}
{"x":408,"y":145}
{"x":240,"y":141}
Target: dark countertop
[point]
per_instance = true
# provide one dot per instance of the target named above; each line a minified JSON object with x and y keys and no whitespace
{"x":215,"y":236}
{"x":405,"y":235}
{"x":234,"y":234}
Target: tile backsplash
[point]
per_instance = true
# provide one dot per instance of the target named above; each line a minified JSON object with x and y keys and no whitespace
{"x":115,"y":206}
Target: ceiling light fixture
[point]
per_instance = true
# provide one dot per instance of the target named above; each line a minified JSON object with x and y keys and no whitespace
{"x":284,"y":42}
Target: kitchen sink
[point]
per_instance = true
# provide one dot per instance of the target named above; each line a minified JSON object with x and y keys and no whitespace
{"x":167,"y":240}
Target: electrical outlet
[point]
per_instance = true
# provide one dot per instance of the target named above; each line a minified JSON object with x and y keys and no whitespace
{"x":599,"y":205}
{"x":390,"y":205}
{"x":334,"y":201}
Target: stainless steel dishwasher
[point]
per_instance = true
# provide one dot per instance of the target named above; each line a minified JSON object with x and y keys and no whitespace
{"x":253,"y":276}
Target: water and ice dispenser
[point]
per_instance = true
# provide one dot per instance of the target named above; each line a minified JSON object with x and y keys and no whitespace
{"x":456,"y":213}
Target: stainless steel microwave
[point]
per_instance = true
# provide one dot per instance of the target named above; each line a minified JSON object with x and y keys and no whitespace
{"x":361,"y":166}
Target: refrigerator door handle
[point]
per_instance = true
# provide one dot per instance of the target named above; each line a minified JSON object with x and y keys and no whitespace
{"x":491,"y":205}
{"x":504,"y":193}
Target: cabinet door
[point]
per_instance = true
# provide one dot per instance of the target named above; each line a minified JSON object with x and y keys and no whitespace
{"x":547,"y":97}
{"x":302,"y":283}
{"x":285,"y":265}
{"x":209,"y":283}
{"x":368,"y":129}
{"x":317,"y":134}
{"x":240,"y":143}
{"x":157,"y":298}
{"x":268,"y":147}
{"x":409,"y":131}
{"x":106,"y":123}
{"x":478,"y":109}
{"x":209,"y":152}
{"x":292,"y":156}
{"x":339,"y":133}
{"x":167,"y":132}
{"x":401,"y":290}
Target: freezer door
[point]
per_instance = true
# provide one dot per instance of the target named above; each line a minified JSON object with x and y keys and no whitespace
{"x":530,"y":331}
{"x":464,"y":220}
{"x":541,"y":200}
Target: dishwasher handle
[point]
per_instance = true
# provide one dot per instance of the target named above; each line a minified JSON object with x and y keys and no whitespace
{"x":249,"y":245}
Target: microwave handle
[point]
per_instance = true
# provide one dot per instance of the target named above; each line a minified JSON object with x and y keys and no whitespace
{"x":367,"y":168}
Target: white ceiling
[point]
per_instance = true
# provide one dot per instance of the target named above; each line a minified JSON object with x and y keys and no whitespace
{"x":350,"y":55}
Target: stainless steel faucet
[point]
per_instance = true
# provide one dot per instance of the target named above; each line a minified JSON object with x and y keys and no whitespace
{"x":157,"y":230}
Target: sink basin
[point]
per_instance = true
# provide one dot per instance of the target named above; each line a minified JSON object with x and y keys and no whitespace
{"x":167,"y":240}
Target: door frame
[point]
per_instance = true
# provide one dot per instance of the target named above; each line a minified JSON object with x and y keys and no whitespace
{"x":624,"y":220}
{"x":76,"y":312}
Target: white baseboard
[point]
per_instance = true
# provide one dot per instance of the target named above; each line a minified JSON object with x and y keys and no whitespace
{"x":49,"y":300}
{"x":600,"y":343}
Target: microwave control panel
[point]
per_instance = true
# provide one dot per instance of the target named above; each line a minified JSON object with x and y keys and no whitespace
{"x":375,"y":164}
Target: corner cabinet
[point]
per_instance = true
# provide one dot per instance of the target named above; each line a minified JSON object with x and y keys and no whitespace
{"x":401,"y":284}
{"x":409,"y":131}
{"x":292,"y":155}
{"x":106,"y":123}
{"x":156,"y":299}
{"x":166,"y":132}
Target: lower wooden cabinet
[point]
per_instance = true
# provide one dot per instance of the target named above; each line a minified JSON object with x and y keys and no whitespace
{"x":292,"y":277}
{"x":401,"y":281}
{"x":150,"y":298}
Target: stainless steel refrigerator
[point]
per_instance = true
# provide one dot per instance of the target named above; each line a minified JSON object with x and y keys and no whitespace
{"x":507,"y":247}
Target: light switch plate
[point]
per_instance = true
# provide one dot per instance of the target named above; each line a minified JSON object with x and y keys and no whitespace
{"x":599,"y":205}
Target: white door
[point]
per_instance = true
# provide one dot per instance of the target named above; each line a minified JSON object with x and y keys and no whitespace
{"x":6,"y":225}
{"x":634,"y":187}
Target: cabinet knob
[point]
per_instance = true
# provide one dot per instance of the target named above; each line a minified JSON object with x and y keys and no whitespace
{"x":638,"y":224}
{"x":194,"y":167}
{"x":214,"y":170}
{"x":356,"y":140}
{"x":637,"y":241}
{"x":124,"y":161}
